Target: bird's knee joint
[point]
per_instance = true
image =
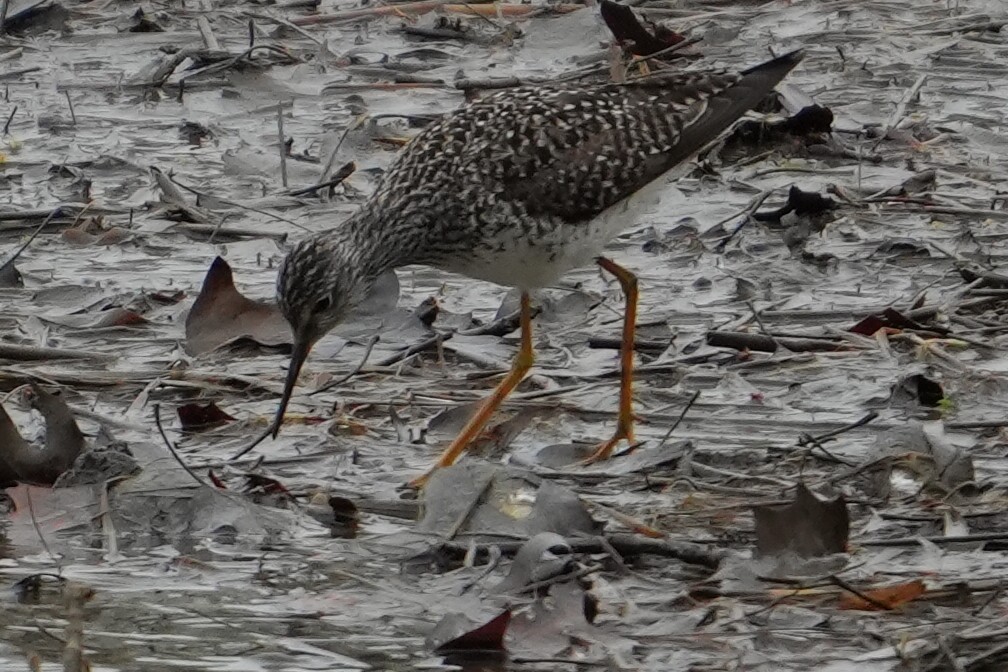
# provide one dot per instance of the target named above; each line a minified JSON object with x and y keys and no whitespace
{"x":524,"y":361}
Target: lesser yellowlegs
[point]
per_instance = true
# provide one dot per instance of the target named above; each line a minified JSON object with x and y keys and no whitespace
{"x":517,"y":188}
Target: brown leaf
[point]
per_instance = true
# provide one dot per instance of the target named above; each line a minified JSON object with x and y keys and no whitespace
{"x":868,"y":325}
{"x":888,"y":597}
{"x":118,"y":317}
{"x":11,"y":446}
{"x":64,"y":439}
{"x":265,"y":485}
{"x":892,"y":319}
{"x":82,"y":236}
{"x":346,"y":518}
{"x":113,"y":317}
{"x":486,"y":637}
{"x":809,"y":120}
{"x":40,"y":466}
{"x":339,"y":514}
{"x":627,"y":28}
{"x":114,"y":236}
{"x":78,"y":237}
{"x":196,"y":417}
{"x":808,"y":526}
{"x":222,"y":315}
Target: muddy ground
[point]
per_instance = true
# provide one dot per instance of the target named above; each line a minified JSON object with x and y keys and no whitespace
{"x":769,"y":319}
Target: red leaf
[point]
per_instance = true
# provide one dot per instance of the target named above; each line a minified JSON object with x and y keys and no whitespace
{"x":888,"y":597}
{"x":265,"y":485}
{"x":196,"y":417}
{"x":216,"y":480}
{"x":489,"y":636}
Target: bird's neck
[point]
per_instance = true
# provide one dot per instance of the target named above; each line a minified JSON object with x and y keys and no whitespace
{"x":383,"y":238}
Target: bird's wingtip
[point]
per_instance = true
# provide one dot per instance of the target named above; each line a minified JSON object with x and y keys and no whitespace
{"x":788,"y":61}
{"x":794,"y":56}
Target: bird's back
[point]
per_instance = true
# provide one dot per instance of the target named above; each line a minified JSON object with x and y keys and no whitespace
{"x":570,"y":152}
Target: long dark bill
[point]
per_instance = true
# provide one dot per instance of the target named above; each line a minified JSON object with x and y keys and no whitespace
{"x":302,"y":346}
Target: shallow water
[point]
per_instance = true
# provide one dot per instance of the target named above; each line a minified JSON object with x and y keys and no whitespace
{"x":281,"y":594}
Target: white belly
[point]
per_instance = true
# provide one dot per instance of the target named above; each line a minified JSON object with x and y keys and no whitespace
{"x":534,"y":261}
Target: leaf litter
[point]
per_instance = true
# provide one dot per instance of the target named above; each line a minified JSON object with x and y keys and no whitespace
{"x":829,"y":279}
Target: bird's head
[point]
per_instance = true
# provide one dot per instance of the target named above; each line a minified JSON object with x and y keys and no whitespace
{"x":319,"y":283}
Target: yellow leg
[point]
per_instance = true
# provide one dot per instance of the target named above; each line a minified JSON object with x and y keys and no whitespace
{"x":624,"y":421}
{"x":522,"y":363}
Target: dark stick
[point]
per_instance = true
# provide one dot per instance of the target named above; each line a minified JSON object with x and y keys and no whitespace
{"x":367,"y":353}
{"x":9,"y":120}
{"x":837,"y":581}
{"x":55,"y":212}
{"x":171,"y":448}
{"x":283,"y":145}
{"x":436,"y":339}
{"x":689,"y":405}
{"x":763,"y":343}
{"x":73,"y":115}
{"x":871,"y":415}
{"x":626,"y":544}
{"x":640,"y":345}
{"x":952,"y":539}
{"x":256,"y":442}
{"x":345,"y":171}
{"x":499,"y":327}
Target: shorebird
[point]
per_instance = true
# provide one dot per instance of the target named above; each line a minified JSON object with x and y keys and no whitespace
{"x":517,"y":188}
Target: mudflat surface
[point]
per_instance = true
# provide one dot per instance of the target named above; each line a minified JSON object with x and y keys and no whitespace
{"x":186,"y":576}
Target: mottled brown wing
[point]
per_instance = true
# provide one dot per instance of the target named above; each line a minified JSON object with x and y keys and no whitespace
{"x":574,"y":152}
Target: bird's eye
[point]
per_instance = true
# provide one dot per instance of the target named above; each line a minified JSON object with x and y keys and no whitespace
{"x":323,"y":305}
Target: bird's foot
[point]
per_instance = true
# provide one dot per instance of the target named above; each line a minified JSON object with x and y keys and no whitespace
{"x":605,"y":449}
{"x":420,"y":481}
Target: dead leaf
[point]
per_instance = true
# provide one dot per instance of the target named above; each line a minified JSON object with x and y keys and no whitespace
{"x":561,"y":624}
{"x":257,"y":484}
{"x":103,"y":319}
{"x":197,"y":417}
{"x":922,"y":452}
{"x":339,"y":514}
{"x":95,"y":232}
{"x":69,"y":299}
{"x":479,"y":498}
{"x":10,"y":276}
{"x":486,"y":637}
{"x":78,"y":237}
{"x":99,"y":464}
{"x":808,"y":526}
{"x":64,"y":440}
{"x":917,"y":388}
{"x":889,"y":318}
{"x":544,"y":556}
{"x":627,"y":28}
{"x":888,"y":597}
{"x":800,"y":203}
{"x":25,"y":463}
{"x":12,"y":444}
{"x":640,"y":458}
{"x":222,"y":315}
